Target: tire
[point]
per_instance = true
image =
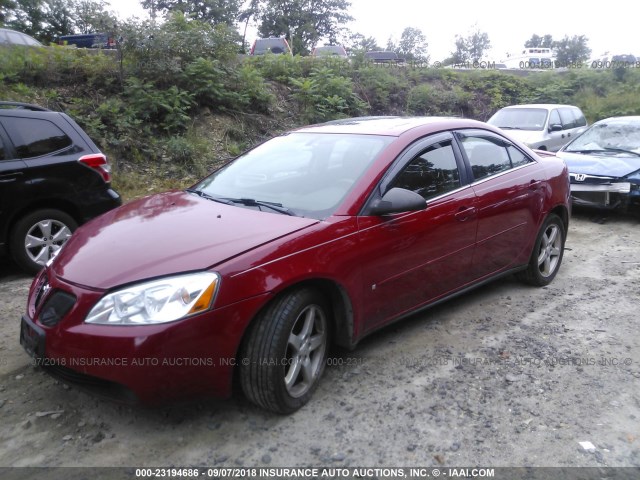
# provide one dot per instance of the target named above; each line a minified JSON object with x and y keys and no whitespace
{"x":285,"y":352}
{"x":37,"y":236}
{"x":547,"y":253}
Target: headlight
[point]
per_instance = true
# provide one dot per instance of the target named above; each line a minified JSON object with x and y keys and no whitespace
{"x":158,"y":301}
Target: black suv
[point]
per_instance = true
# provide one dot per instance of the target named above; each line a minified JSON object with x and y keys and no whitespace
{"x":52,"y":179}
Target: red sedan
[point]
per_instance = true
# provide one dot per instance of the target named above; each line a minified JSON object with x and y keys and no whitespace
{"x":316,"y":237}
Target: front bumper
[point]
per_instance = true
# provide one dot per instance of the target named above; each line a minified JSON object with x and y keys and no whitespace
{"x":150,"y":364}
{"x":600,"y":192}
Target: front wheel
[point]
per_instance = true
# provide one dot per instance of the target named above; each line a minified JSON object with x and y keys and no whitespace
{"x":38,"y":236}
{"x":284,"y":354}
{"x":547,"y":253}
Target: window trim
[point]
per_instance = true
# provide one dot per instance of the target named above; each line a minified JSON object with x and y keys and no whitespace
{"x":506,"y":143}
{"x":406,"y":157}
{"x":54,"y":152}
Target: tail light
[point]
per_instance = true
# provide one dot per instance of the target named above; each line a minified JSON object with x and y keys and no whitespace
{"x":99,"y":163}
{"x":253,"y":48}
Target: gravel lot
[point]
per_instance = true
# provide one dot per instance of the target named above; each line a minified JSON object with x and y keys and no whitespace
{"x":508,"y":375}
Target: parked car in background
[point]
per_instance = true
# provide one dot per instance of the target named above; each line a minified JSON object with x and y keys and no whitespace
{"x":541,"y":126}
{"x":383,"y":57}
{"x":604,"y":164}
{"x":314,"y":238}
{"x":52,"y":179}
{"x":277,"y":46}
{"x":330,"y":51}
{"x":11,"y":37}
{"x":91,"y":40}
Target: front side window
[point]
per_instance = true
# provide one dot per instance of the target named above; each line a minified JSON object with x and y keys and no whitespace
{"x":487,"y":155}
{"x":35,"y":137}
{"x":568,"y":118}
{"x":431,"y":173}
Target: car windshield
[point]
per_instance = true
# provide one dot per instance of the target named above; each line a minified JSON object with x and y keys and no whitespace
{"x":608,"y":136}
{"x":520,"y":118}
{"x":303,"y":174}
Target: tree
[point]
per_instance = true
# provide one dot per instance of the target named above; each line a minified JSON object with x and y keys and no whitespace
{"x":210,"y":11}
{"x":92,"y":16}
{"x":536,"y":41}
{"x":303,"y":22}
{"x":413,"y":45}
{"x":28,"y":17}
{"x":572,"y":50}
{"x":470,"y":48}
{"x":59,"y":19}
{"x":6,"y":6}
{"x":357,"y":42}
{"x":245,"y":16}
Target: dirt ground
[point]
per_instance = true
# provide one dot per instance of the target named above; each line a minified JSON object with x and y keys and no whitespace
{"x":508,"y":375}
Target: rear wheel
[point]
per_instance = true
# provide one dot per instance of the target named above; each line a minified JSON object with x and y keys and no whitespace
{"x":547,"y":253}
{"x":38,"y":236}
{"x":285,"y":352}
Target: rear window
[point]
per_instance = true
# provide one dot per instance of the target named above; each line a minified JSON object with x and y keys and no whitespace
{"x":35,"y":137}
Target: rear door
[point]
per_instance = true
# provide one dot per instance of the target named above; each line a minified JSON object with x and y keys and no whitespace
{"x":12,"y":177}
{"x":411,"y":259}
{"x":509,"y":186}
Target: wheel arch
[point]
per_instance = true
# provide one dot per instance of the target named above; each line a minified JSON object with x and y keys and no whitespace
{"x":563,"y":212}
{"x":43,"y":204}
{"x":341,"y":309}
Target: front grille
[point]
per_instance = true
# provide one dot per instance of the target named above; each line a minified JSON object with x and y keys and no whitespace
{"x":55,"y":307}
{"x":91,"y":384}
{"x":581,"y":178}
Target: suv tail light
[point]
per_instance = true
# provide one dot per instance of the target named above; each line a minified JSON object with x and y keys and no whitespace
{"x":99,"y":163}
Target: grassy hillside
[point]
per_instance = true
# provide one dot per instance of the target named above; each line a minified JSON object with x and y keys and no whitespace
{"x":174,"y":103}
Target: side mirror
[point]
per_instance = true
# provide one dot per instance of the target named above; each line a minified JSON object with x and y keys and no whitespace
{"x":555,"y":127}
{"x":398,"y":200}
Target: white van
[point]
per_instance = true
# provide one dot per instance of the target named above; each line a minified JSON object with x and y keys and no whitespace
{"x":541,"y":126}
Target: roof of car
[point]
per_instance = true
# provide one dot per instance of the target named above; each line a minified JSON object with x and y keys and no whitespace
{"x":541,"y":105}
{"x":21,"y":33}
{"x":392,"y":126}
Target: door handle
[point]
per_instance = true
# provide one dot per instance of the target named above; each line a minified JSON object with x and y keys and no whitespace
{"x":9,"y":177}
{"x":465,"y":213}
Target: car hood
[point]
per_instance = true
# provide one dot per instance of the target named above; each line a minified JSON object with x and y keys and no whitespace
{"x":165,"y":234}
{"x":600,"y":165}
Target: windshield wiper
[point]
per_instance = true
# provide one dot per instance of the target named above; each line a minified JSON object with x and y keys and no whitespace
{"x":604,"y":150}
{"x":622,"y":150}
{"x":202,"y":194}
{"x":250,"y":202}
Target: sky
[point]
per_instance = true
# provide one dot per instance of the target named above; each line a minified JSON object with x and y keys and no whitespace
{"x":509,"y":24}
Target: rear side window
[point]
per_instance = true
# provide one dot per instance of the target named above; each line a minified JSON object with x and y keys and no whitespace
{"x":35,"y":137}
{"x":580,"y":120}
{"x":486,"y":155}
{"x":2,"y":157}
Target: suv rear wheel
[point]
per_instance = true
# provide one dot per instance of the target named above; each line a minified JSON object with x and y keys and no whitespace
{"x":38,"y":236}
